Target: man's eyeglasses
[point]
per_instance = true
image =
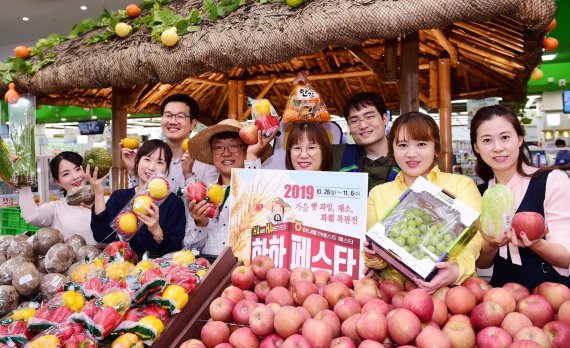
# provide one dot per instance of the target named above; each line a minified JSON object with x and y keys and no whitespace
{"x":178,"y":117}
{"x":368,"y":118}
{"x":310,"y":150}
{"x":232,"y":148}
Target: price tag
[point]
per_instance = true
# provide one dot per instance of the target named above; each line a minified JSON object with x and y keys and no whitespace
{"x":25,"y":279}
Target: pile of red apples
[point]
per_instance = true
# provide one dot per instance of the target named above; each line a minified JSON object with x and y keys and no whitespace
{"x":271,"y":307}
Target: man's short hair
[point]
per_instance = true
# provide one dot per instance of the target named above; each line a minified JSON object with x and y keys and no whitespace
{"x":560,"y":142}
{"x":363,"y":99}
{"x":183,"y":98}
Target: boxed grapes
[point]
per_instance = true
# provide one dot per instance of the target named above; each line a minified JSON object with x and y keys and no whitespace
{"x":427,"y":225}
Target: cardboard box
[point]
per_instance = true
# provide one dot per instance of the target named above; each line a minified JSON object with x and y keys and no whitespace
{"x":427,"y":225}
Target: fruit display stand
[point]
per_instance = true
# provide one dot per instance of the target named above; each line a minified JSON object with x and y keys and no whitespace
{"x":188,"y":323}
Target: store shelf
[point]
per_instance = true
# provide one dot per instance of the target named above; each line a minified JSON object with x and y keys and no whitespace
{"x":13,"y":223}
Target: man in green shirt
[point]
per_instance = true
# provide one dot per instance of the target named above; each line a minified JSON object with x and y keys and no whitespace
{"x":367,"y":119}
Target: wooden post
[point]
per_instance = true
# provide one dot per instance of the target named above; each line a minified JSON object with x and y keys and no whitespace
{"x":390,"y":60}
{"x":444,"y":70}
{"x":409,"y":100}
{"x":232,"y":99}
{"x":433,"y":85}
{"x":240,"y":98}
{"x":119,"y":102}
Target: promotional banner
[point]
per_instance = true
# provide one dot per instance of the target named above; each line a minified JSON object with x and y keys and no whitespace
{"x":306,"y":219}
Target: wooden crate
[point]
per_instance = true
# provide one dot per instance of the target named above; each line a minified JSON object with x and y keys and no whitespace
{"x":188,"y":323}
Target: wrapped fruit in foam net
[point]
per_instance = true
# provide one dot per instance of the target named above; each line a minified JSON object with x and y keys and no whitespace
{"x":56,"y":311}
{"x":145,"y":279}
{"x":146,"y":322}
{"x":45,"y":238}
{"x":14,"y":327}
{"x":118,"y":250}
{"x":304,"y":103}
{"x":68,"y":334}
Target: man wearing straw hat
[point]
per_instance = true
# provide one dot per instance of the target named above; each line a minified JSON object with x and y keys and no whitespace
{"x":221,"y":146}
{"x":278,"y":207}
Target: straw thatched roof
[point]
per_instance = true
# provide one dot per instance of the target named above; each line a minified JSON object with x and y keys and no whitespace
{"x":493,"y":46}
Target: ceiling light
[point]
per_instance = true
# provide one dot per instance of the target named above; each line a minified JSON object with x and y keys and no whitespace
{"x":93,"y":117}
{"x":83,"y":8}
{"x":63,"y":119}
{"x":25,"y":19}
{"x":548,"y":57}
{"x":459,"y":101}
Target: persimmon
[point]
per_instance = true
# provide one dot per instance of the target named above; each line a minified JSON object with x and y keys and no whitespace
{"x":536,"y":74}
{"x":551,"y":26}
{"x":22,"y":52}
{"x":550,"y":44}
{"x":133,"y":10}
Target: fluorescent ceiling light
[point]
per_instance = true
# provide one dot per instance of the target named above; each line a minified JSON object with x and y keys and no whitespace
{"x":459,"y":101}
{"x":548,"y":57}
{"x":25,"y":19}
{"x":83,"y":8}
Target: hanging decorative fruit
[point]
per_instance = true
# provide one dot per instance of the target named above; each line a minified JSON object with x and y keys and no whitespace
{"x":122,"y":29}
{"x":536,"y":74}
{"x":133,"y":10}
{"x":12,"y":96}
{"x":22,"y":52}
{"x":550,"y":44}
{"x":551,"y":26}
{"x":169,"y":37}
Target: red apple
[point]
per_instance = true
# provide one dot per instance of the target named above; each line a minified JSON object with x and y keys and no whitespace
{"x":514,"y":322}
{"x":558,"y":333}
{"x":296,"y":341}
{"x":555,"y":293}
{"x":564,"y":313}
{"x":260,"y":265}
{"x":322,"y":277}
{"x":370,"y":344}
{"x":332,"y":320}
{"x":537,"y":309}
{"x":518,"y":291}
{"x":248,"y":134}
{"x":398,"y":299}
{"x":525,"y":344}
{"x":439,"y":312}
{"x":535,"y":334}
{"x":214,"y":332}
{"x":342,"y":342}
{"x":530,"y":223}
{"x":440,"y":293}
{"x":279,"y":295}
{"x":317,"y":333}
{"x":372,"y":326}
{"x":234,"y":293}
{"x":272,"y":341}
{"x":288,"y":321}
{"x":262,"y":290}
{"x":503,"y":297}
{"x":342,"y":277}
{"x":301,"y":273}
{"x":242,"y":277}
{"x":335,"y":291}
{"x":346,"y":308}
{"x":493,"y":337}
{"x":390,"y":287}
{"x":460,"y":300}
{"x":348,"y":327}
{"x":250,"y":295}
{"x":196,"y":191}
{"x":193,"y":343}
{"x":486,"y":314}
{"x":224,"y":345}
{"x":420,"y":303}
{"x":461,"y":318}
{"x":244,"y":338}
{"x":242,"y":310}
{"x":403,"y":326}
{"x":432,"y":337}
{"x":378,"y":306}
{"x":261,"y":321}
{"x":301,"y":289}
{"x":221,"y":309}
{"x":357,"y":283}
{"x":460,"y":334}
{"x":304,"y":311}
{"x":315,"y":303}
{"x":278,"y":277}
{"x":478,"y":287}
{"x":365,"y":293}
{"x":409,"y":286}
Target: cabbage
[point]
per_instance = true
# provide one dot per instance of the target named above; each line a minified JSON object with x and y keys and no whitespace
{"x":497,"y":210}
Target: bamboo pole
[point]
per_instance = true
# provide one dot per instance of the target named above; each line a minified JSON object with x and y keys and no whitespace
{"x":336,"y":95}
{"x":442,"y":40}
{"x":409,"y":100}
{"x":487,"y":53}
{"x":433,"y":85}
{"x":219,"y":105}
{"x":482,"y":42}
{"x":119,"y":100}
{"x":489,"y":64}
{"x":232,"y":99}
{"x":429,"y":50}
{"x":473,"y":69}
{"x":290,"y":79}
{"x":444,"y":69}
{"x":240,"y":98}
{"x":491,"y":32}
{"x":258,"y":96}
{"x":478,"y":94}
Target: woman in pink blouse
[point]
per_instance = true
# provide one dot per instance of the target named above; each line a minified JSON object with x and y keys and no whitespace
{"x":497,"y":138}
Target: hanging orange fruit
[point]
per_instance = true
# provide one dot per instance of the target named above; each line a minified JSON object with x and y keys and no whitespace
{"x":133,"y":10}
{"x":11,"y":97}
{"x":536,"y":74}
{"x":550,"y":44}
{"x":22,"y":52}
{"x":551,"y":26}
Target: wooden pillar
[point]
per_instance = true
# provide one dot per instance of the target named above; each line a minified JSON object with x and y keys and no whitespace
{"x":390,"y":60}
{"x":410,"y":53}
{"x":232,"y":99}
{"x":240,"y":99}
{"x":444,"y":69}
{"x":119,"y":102}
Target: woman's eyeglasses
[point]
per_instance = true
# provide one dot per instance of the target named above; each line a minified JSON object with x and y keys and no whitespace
{"x":310,"y":150}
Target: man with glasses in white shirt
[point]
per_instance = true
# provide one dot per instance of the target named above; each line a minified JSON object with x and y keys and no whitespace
{"x":367,"y":119}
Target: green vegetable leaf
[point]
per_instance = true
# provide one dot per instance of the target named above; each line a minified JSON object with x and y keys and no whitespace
{"x":194,"y":17}
{"x":81,"y":27}
{"x":211,"y":9}
{"x":265,"y":1}
{"x":192,"y":28}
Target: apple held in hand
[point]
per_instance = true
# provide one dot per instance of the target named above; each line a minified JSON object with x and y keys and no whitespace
{"x":248,"y":134}
{"x":196,"y":191}
{"x":529,"y":222}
